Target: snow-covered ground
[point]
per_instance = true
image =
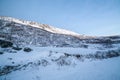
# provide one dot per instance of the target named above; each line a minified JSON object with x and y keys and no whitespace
{"x":96,"y":70}
{"x":43,"y":52}
{"x":48,"y":63}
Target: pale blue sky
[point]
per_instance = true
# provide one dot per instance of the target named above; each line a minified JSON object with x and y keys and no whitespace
{"x":89,"y":17}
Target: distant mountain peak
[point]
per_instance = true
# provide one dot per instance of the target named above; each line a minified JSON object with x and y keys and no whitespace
{"x":42,"y":26}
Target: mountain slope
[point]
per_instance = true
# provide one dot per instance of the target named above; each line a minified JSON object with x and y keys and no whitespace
{"x":42,"y":26}
{"x":23,"y":33}
{"x":31,"y":33}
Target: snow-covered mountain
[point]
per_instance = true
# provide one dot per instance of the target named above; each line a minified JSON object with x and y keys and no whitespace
{"x":33,"y":51}
{"x":23,"y":33}
{"x":41,"y":26}
{"x":26,"y":32}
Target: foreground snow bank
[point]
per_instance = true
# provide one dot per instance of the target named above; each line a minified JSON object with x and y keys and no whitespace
{"x":107,"y":69}
{"x":46,"y":63}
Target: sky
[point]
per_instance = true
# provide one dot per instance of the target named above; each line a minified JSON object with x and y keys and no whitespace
{"x":88,"y":17}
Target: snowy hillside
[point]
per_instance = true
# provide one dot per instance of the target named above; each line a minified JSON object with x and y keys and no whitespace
{"x":23,"y":33}
{"x":33,"y":51}
{"x":37,"y":25}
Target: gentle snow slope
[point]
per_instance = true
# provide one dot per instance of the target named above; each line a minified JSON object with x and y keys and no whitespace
{"x":48,"y":69}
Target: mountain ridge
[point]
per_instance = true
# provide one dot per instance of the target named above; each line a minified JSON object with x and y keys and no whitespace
{"x":24,"y":33}
{"x":42,"y":26}
{"x":45,"y":26}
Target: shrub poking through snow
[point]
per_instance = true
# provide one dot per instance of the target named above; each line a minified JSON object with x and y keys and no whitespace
{"x":27,"y":49}
{"x":1,"y":53}
{"x":5,"y":44}
{"x":17,"y":48}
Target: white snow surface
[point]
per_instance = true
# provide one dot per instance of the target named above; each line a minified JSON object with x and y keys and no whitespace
{"x":106,"y":69}
{"x":95,"y":70}
{"x":40,"y":52}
